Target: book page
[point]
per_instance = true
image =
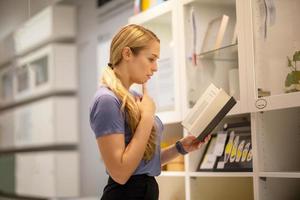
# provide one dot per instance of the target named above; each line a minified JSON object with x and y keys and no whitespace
{"x":209,"y":113}
{"x":199,"y":108}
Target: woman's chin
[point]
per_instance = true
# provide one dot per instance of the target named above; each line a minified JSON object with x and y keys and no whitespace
{"x":143,"y":81}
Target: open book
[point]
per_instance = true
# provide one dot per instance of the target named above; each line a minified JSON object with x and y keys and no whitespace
{"x":208,"y":111}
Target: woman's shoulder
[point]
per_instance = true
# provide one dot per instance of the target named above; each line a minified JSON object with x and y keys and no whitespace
{"x":104,"y":102}
{"x":105,"y":94}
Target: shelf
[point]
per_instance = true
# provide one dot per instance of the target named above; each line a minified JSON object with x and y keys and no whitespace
{"x":166,"y":119}
{"x":172,"y":173}
{"x":172,"y":187}
{"x":236,"y":110}
{"x":55,"y":147}
{"x":220,"y":174}
{"x":210,"y":2}
{"x":278,"y":137}
{"x":34,"y":98}
{"x":280,"y":174}
{"x":7,"y":195}
{"x":225,"y":53}
{"x":275,"y":102}
{"x":151,"y":13}
{"x":278,"y":188}
{"x":211,"y":188}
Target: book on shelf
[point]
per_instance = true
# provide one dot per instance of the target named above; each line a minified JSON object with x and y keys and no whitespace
{"x":208,"y":111}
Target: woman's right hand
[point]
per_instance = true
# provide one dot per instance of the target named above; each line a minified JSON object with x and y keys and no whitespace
{"x":146,"y":103}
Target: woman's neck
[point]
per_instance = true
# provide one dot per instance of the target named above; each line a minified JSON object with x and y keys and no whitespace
{"x":123,"y":75}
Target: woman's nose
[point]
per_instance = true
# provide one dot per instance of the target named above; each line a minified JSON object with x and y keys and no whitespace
{"x":154,"y":67}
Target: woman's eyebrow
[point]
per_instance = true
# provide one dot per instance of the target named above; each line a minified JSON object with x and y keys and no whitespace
{"x":155,"y":55}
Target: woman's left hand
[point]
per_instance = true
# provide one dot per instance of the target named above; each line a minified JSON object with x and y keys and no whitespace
{"x":190,"y":143}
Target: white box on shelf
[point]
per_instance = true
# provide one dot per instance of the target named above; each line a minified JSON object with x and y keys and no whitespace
{"x":56,"y":125}
{"x":55,"y":23}
{"x":50,"y":69}
{"x":45,"y":174}
{"x":7,"y":129}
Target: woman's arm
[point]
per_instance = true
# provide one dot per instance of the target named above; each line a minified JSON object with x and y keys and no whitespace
{"x":189,"y":144}
{"x":119,"y":160}
{"x":168,"y":154}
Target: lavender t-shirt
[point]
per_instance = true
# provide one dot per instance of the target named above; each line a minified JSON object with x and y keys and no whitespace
{"x":107,"y":118}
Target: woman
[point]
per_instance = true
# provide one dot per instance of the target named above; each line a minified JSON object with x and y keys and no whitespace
{"x":128,"y":132}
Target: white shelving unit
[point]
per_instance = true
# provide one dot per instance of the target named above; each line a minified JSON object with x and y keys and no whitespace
{"x":53,"y":24}
{"x":280,"y":174}
{"x":48,"y":174}
{"x":53,"y":127}
{"x":256,"y":63}
{"x":213,"y":65}
{"x":45,"y":70}
{"x":39,"y":108}
{"x":270,"y":41}
{"x":164,"y":85}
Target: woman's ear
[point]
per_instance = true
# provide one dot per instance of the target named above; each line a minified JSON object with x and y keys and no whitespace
{"x":126,"y":53}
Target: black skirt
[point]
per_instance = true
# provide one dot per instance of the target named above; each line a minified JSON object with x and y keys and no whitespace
{"x":138,"y":187}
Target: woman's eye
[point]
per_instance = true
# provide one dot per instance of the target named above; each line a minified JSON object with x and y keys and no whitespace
{"x":151,"y":59}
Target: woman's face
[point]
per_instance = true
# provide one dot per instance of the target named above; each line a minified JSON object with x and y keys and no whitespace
{"x":143,"y":65}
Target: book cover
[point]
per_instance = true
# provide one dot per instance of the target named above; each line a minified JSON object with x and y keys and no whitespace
{"x":208,"y":111}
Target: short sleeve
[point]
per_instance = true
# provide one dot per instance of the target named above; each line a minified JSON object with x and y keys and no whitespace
{"x":106,"y":116}
{"x":160,"y":124}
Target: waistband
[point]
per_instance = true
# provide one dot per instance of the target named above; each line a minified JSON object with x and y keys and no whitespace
{"x":137,"y":177}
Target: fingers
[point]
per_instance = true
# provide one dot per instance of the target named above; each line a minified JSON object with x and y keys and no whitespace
{"x":206,"y":139}
{"x":137,"y":98}
{"x":199,"y":145}
{"x":196,"y":144}
{"x":145,"y":91}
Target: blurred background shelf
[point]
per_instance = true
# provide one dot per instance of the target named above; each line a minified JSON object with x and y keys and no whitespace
{"x":172,"y":173}
{"x":280,"y":174}
{"x":220,"y":174}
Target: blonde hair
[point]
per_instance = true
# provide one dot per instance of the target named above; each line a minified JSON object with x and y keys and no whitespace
{"x":136,"y":38}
